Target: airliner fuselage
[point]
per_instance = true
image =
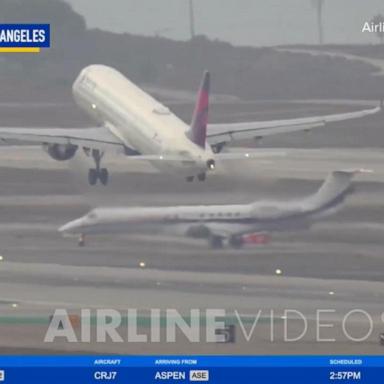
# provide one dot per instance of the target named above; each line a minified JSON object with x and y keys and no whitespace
{"x":139,"y":121}
{"x":133,"y":122}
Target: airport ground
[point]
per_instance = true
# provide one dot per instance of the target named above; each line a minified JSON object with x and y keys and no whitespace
{"x":338,"y":264}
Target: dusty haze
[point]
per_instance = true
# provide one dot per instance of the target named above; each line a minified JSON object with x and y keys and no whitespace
{"x":250,"y":22}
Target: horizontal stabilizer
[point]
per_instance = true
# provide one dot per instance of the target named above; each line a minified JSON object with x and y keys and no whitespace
{"x":258,"y":154}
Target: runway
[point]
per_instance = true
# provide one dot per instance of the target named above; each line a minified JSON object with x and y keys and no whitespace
{"x":336,"y":265}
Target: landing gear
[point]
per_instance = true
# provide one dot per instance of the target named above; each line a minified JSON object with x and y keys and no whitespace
{"x":218,"y":147}
{"x":92,"y":176}
{"x":81,"y":241}
{"x":236,"y":242}
{"x":97,"y":173}
{"x":104,"y":176}
{"x":202,"y":176}
{"x":216,"y":242}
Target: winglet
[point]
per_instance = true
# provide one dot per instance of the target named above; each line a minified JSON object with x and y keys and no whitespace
{"x":198,"y":131}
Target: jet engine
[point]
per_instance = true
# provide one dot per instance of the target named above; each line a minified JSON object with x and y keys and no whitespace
{"x":198,"y":232}
{"x":60,"y":152}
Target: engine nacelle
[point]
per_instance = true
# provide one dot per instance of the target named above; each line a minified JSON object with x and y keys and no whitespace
{"x":60,"y":152}
{"x":198,"y":232}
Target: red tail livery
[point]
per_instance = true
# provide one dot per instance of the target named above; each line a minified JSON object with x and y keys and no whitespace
{"x":198,"y":132}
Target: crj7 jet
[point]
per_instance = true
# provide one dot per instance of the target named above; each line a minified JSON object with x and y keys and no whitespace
{"x":133,"y":122}
{"x":217,"y":223}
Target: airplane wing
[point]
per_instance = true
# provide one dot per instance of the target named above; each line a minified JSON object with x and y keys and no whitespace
{"x":221,"y":134}
{"x":94,"y":137}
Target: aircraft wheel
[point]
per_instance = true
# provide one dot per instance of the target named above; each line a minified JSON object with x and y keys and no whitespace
{"x":190,"y":179}
{"x":202,"y":176}
{"x":216,"y":242}
{"x":93,"y":175}
{"x":104,"y":176}
{"x":236,"y":242}
{"x":81,"y":241}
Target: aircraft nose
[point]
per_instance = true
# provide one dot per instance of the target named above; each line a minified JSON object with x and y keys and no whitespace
{"x":71,"y":227}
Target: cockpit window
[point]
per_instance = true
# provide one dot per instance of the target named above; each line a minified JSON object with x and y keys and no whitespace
{"x":92,"y":215}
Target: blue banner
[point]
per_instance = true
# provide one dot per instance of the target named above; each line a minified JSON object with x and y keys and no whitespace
{"x":25,"y":36}
{"x":186,"y":369}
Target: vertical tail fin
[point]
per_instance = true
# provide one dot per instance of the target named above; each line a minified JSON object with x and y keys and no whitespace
{"x":198,"y":131}
{"x":333,"y":190}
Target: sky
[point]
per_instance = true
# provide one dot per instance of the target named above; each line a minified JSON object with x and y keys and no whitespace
{"x":241,"y":22}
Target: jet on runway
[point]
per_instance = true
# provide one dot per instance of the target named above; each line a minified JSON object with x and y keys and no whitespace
{"x":134,"y":123}
{"x":218,"y":223}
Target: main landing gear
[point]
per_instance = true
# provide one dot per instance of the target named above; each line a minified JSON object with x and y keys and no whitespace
{"x":203,"y":175}
{"x":81,"y":241}
{"x":200,"y":177}
{"x":97,"y":173}
{"x":215,"y":242}
{"x":236,"y":242}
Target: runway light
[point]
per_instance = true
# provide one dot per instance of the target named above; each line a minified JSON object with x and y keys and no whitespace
{"x":14,"y":305}
{"x":142,"y":264}
{"x":278,"y":271}
{"x":94,"y":106}
{"x":331,"y":293}
{"x":1,"y":258}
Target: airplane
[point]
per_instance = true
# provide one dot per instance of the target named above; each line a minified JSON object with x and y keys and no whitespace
{"x":132,"y":122}
{"x":218,"y":223}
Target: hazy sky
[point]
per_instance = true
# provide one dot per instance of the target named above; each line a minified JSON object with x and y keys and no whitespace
{"x":246,"y":22}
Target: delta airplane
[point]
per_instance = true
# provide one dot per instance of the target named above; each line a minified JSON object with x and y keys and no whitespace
{"x":132,"y":122}
{"x":217,"y":223}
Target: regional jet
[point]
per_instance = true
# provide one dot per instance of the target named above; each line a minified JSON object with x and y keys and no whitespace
{"x":134,"y":123}
{"x":218,"y":223}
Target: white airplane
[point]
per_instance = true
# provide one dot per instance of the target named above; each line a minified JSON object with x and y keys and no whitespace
{"x":133,"y":122}
{"x":218,"y":222}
